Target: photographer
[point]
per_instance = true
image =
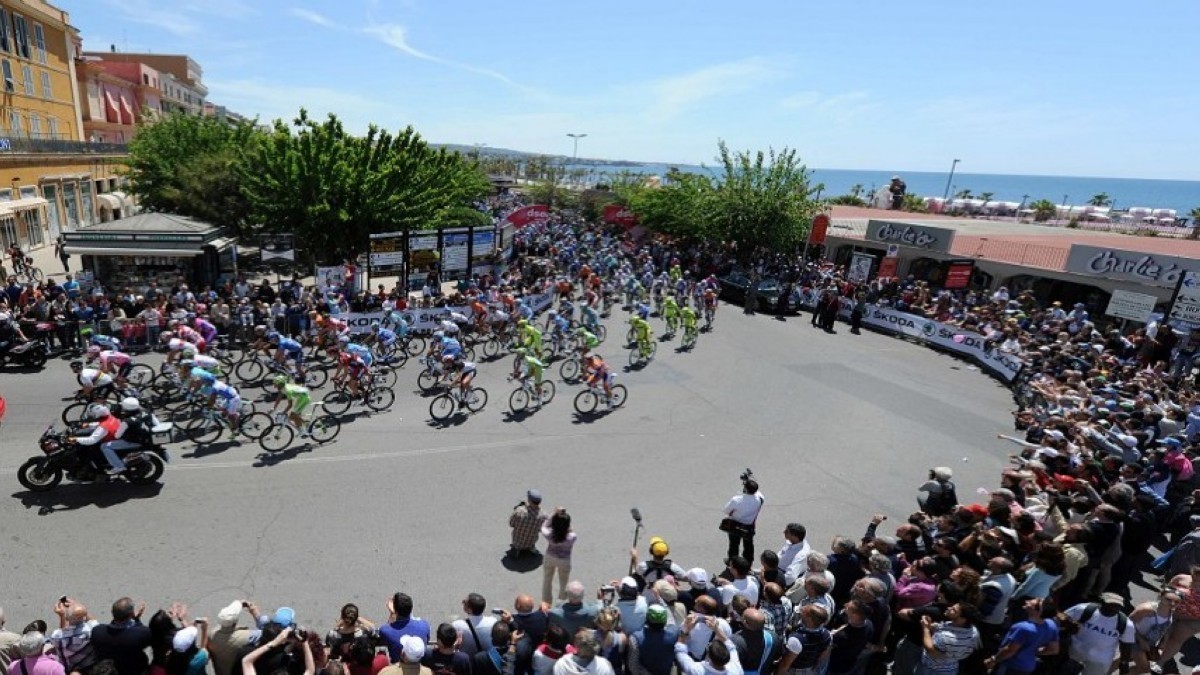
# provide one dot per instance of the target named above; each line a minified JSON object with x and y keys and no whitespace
{"x":276,"y":647}
{"x":741,"y":513}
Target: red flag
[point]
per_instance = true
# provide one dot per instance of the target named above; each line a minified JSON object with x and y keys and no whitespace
{"x":619,"y":215}
{"x":529,"y":214}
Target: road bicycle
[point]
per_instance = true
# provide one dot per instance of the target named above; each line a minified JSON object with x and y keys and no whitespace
{"x":642,"y":353}
{"x":322,"y":429}
{"x":710,"y":315}
{"x":689,"y":337}
{"x":25,"y":271}
{"x":524,"y":395}
{"x":591,"y":398}
{"x":672,"y":325}
{"x":571,"y":368}
{"x":254,"y":369}
{"x":446,"y":404}
{"x":433,"y":376}
{"x":207,"y":423}
{"x":375,"y":397}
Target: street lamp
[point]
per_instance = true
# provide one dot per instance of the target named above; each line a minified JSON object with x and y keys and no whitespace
{"x":946,"y":194}
{"x":575,"y":152}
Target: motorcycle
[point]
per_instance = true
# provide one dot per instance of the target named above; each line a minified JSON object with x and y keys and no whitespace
{"x":32,"y":353}
{"x":63,"y":459}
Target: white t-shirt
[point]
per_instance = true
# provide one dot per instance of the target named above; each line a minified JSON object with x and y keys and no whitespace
{"x":747,"y":588}
{"x":1097,"y":639}
{"x":483,"y":628}
{"x":744,"y":508}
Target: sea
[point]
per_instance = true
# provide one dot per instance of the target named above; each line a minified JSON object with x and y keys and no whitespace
{"x":1126,"y":193}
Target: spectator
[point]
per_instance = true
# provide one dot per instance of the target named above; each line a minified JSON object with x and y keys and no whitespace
{"x":8,"y":643}
{"x":720,"y":653}
{"x":793,"y":556}
{"x":586,"y":660}
{"x":561,"y":540}
{"x":187,"y":656}
{"x":611,"y":637}
{"x":72,"y":640}
{"x":757,"y":647}
{"x":555,"y":645}
{"x":949,"y":642}
{"x":651,"y":650}
{"x":499,"y":657}
{"x":532,"y":622}
{"x":349,"y":628}
{"x":526,"y":522}
{"x":412,"y":650}
{"x":850,"y":640}
{"x":32,"y":659}
{"x":401,"y":623}
{"x":229,"y":639}
{"x":124,"y":640}
{"x":475,"y":628}
{"x":574,"y":613}
{"x":806,"y":650}
{"x":741,"y":583}
{"x":1036,"y":635}
{"x":631,"y":605}
{"x":741,"y":513}
{"x":659,"y":566}
{"x":446,"y":658}
{"x":1105,"y":635}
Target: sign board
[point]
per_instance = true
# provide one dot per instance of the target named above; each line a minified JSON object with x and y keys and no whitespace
{"x":619,"y":215}
{"x":1150,"y":269}
{"x":1129,"y":305}
{"x":280,"y":246}
{"x":1186,"y":306}
{"x":454,"y":252}
{"x":887,"y":267}
{"x":529,"y":214}
{"x":912,"y":235}
{"x":387,"y":252}
{"x":860,"y":268}
{"x":820,"y":228}
{"x":893,"y":251}
{"x":958,"y":274}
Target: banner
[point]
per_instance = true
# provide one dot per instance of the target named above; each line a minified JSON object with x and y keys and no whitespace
{"x":1129,"y":305}
{"x":860,"y":268}
{"x":820,"y":226}
{"x":941,"y":335}
{"x":1185,"y":307}
{"x":619,"y":215}
{"x":329,"y":276}
{"x":958,"y":274}
{"x":425,"y":319}
{"x":387,"y":252}
{"x":529,"y":214}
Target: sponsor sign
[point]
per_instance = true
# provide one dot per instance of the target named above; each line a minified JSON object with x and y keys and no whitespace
{"x":329,"y":277}
{"x":860,"y":268}
{"x":1186,"y":307}
{"x":1129,"y":305}
{"x":1119,"y":265}
{"x":887,"y":267}
{"x":387,"y":252}
{"x":941,"y":335}
{"x":619,"y":215}
{"x":529,"y":214}
{"x":958,"y":274}
{"x":912,"y":235}
{"x":422,"y":252}
{"x":454,"y":252}
{"x":820,"y":227}
{"x":425,"y":319}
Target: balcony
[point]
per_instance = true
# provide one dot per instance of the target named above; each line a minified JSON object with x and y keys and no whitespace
{"x":50,"y":146}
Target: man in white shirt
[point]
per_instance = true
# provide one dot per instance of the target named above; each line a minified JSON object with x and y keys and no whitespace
{"x":743,"y":510}
{"x":697,"y":637}
{"x":1105,"y":635}
{"x":720,"y":655}
{"x":476,"y":628}
{"x":793,"y":557}
{"x":743,"y":583}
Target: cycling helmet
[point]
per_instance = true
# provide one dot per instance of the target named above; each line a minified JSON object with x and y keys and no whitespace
{"x":279,"y":380}
{"x":273,"y":336}
{"x":77,"y":366}
{"x":439,"y":334}
{"x":93,"y":351}
{"x":581,"y":330}
{"x":522,"y":351}
{"x":260,"y":330}
{"x":172,"y":323}
{"x":345,"y":357}
{"x":375,"y":327}
{"x":522,"y":323}
{"x":130,"y":404}
{"x":166,"y":336}
{"x":186,"y":363}
{"x":553,"y":314}
{"x":98,"y":411}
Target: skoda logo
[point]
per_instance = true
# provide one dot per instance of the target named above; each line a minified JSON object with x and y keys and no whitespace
{"x":930,"y":329}
{"x":408,"y":318}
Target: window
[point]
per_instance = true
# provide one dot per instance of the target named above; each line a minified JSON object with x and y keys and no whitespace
{"x":14,"y":123}
{"x":21,"y":35}
{"x":39,"y":40}
{"x":47,"y":92}
{"x":35,"y":126}
{"x":9,"y":83}
{"x":4,"y":40}
{"x":27,"y":76}
{"x":53,"y":124}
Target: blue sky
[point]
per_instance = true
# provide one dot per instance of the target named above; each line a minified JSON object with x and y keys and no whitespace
{"x":1102,"y":88}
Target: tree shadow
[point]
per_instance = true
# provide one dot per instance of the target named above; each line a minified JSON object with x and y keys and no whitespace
{"x":73,"y":496}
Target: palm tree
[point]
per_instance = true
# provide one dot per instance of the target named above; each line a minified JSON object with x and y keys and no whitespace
{"x":1195,"y":216}
{"x":962,"y":194}
{"x":987,"y":196}
{"x":1101,"y":199}
{"x":1043,"y":210}
{"x":856,"y":190}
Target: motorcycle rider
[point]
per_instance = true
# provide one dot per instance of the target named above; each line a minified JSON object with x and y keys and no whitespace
{"x":107,"y":434}
{"x":9,"y":331}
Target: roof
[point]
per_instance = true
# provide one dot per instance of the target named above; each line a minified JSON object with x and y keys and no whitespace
{"x":151,"y":222}
{"x":1027,"y":244}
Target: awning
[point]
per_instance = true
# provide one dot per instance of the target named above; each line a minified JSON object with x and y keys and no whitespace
{"x":111,"y":112}
{"x":124,"y":198}
{"x":24,"y":204}
{"x":222,"y":243}
{"x":111,"y":201}
{"x":128,"y":110}
{"x":84,"y":249}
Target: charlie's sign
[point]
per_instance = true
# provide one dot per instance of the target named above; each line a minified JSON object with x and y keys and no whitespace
{"x":1119,"y":265}
{"x":914,"y":235}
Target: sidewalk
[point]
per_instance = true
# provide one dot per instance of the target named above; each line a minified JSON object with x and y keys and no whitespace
{"x":45,"y":260}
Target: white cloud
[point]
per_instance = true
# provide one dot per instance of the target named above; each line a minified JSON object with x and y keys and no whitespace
{"x":152,"y":13}
{"x":396,"y":36}
{"x":312,"y":17}
{"x":673,"y":95}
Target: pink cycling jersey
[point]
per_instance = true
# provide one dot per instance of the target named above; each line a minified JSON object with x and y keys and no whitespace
{"x":108,"y":358}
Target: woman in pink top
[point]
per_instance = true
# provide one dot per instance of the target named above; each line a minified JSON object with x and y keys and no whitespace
{"x":916,"y":587}
{"x":34,"y":661}
{"x":561,"y":539}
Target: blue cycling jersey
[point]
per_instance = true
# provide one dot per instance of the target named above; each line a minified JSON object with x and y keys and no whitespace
{"x":451,"y":347}
{"x":386,"y":336}
{"x":361,"y":352}
{"x":225,"y":391}
{"x":289,"y":345}
{"x":203,"y":375}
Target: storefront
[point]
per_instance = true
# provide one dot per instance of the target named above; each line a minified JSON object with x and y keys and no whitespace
{"x":168,"y":249}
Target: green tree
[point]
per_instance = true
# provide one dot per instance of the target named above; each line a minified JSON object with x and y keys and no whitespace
{"x":962,"y":194}
{"x":914,"y":203}
{"x":856,"y":190}
{"x":986,"y":196}
{"x":1043,"y":210}
{"x":682,"y":208}
{"x":1101,"y":199}
{"x":189,"y":165}
{"x":1195,"y":216}
{"x":762,"y":199}
{"x":332,"y":189}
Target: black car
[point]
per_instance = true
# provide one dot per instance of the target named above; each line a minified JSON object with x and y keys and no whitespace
{"x":735,"y":284}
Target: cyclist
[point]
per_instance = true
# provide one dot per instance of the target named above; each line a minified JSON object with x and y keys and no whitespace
{"x":479,"y":313}
{"x":585,"y":341}
{"x":208,"y":363}
{"x":671,"y":313}
{"x":231,"y":404}
{"x":598,"y":371}
{"x":297,"y":398}
{"x":178,"y":348}
{"x":205,"y":328}
{"x":466,"y":374}
{"x":95,"y":383}
{"x":361,"y":351}
{"x":590,"y":319}
{"x":351,"y":369}
{"x":384,"y":339}
{"x":524,"y":310}
{"x":557,"y":325}
{"x":394,"y":320}
{"x":642,"y":333}
{"x":530,"y":366}
{"x":201,"y":381}
{"x":642,"y":310}
{"x":106,"y":342}
{"x":566,"y":309}
{"x":710,"y":300}
{"x":530,"y":337}
{"x":186,"y":333}
{"x":114,"y":363}
{"x":499,"y":320}
{"x":689,"y":321}
{"x":286,"y":348}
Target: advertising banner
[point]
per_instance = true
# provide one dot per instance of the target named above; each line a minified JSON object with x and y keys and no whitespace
{"x":454,"y":253}
{"x":619,"y":215}
{"x":820,"y":227}
{"x":860,"y":268}
{"x":387,"y":252}
{"x":913,"y":235}
{"x":281,"y":246}
{"x":530,"y":214}
{"x":425,"y":319}
{"x":958,"y":274}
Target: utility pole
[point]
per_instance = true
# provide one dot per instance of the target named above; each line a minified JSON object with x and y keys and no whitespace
{"x":946,"y":194}
{"x":575,"y":151}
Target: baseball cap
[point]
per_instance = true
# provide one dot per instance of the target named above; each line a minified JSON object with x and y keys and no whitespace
{"x":629,"y":582}
{"x":284,"y":616}
{"x":697,"y":577}
{"x":656,"y":614}
{"x":230,"y":613}
{"x":184,"y":638}
{"x":658,"y":546}
{"x":1111,"y":599}
{"x":1171,"y":442}
{"x":534,"y":496}
{"x":412,"y":648}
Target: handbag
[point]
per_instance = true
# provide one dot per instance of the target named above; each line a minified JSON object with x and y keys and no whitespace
{"x":727,"y":525}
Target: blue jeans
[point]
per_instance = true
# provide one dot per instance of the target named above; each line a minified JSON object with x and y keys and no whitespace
{"x":110,"y":452}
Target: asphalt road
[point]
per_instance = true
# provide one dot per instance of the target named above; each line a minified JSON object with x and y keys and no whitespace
{"x":835,"y":427}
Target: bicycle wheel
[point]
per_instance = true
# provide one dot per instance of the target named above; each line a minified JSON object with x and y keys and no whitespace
{"x":380,"y":399}
{"x":36,"y":274}
{"x":325,"y":428}
{"x":546,"y":391}
{"x":315,"y":378}
{"x":468,"y":352}
{"x":518,"y":400}
{"x":618,"y":395}
{"x":249,"y":371}
{"x":427,"y":381}
{"x":386,"y":377}
{"x":204,"y":430}
{"x":491,"y":348}
{"x":277,"y":438}
{"x":635,"y":356}
{"x":477,"y":398}
{"x":689,"y":340}
{"x":653,"y":350}
{"x":586,"y":401}
{"x":337,"y":402}
{"x":601,"y":333}
{"x":415,"y":345}
{"x":569,"y":370}
{"x":254,"y":425}
{"x":629,"y":337}
{"x":442,"y":407}
{"x":141,"y":375}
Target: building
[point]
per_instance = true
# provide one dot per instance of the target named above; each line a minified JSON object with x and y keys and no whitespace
{"x":224,"y":114}
{"x":180,"y":78}
{"x":108,"y":104}
{"x":50,"y":175}
{"x":147,"y":99}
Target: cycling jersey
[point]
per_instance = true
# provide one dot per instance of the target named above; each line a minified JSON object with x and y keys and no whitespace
{"x":188,"y":334}
{"x":448,"y":327}
{"x":385,"y":336}
{"x":451,"y":347}
{"x":298,"y":395}
{"x":206,"y":329}
{"x":230,"y":398}
{"x":589,"y":339}
{"x":90,"y":377}
{"x":531,"y":337}
{"x":106,"y":342}
{"x":360,"y":351}
{"x":670,"y":308}
{"x":177,"y":345}
{"x":689,"y":317}
{"x":524,"y":311}
{"x":122,"y":361}
{"x":206,"y":362}
{"x":642,"y":328}
{"x":203,"y":375}
{"x":532,"y":366}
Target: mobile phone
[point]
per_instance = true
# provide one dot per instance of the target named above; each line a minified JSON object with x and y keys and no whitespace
{"x":63,"y":600}
{"x":497,"y":611}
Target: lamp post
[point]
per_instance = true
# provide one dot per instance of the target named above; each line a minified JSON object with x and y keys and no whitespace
{"x":946,"y":194}
{"x":575,"y":151}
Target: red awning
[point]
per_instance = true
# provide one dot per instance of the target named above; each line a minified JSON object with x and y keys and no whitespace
{"x":112,"y":113}
{"x":127,"y":116}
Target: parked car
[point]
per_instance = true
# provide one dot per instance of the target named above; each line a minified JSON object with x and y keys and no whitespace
{"x":735,"y":284}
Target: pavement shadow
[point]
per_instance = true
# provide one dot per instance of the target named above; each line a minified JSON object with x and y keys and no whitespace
{"x":74,"y":496}
{"x":522,"y":564}
{"x":216,"y":448}
{"x":269,"y":459}
{"x":458,"y":419}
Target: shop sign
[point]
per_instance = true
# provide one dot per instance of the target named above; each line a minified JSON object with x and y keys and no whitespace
{"x":1186,"y":307}
{"x":1121,"y":265}
{"x":913,"y":235}
{"x":958,"y":274}
{"x":1129,"y":305}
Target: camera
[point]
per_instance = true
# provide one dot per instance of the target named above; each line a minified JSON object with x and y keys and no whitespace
{"x":300,"y":633}
{"x":747,"y":475}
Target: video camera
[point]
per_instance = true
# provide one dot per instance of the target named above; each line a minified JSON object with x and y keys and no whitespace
{"x":747,"y":475}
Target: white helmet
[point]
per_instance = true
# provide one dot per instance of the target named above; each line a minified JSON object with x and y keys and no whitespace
{"x":130,"y":404}
{"x":98,"y":411}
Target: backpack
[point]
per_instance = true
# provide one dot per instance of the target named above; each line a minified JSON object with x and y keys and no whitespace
{"x":1091,"y":608}
{"x":943,"y":502}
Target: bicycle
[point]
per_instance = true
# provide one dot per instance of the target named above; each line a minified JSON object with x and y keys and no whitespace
{"x":282,"y":431}
{"x":25,"y":271}
{"x":432,"y":376}
{"x":672,"y":325}
{"x":710,"y":315}
{"x":523,"y":395}
{"x":689,"y":337}
{"x":446,"y":404}
{"x":642,"y":353}
{"x":374,"y":397}
{"x":571,"y":368}
{"x":208,"y":423}
{"x":589,"y":399}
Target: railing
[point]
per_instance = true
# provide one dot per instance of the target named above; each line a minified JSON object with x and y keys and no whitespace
{"x":45,"y":146}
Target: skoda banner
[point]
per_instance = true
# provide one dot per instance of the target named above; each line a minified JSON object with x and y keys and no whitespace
{"x":425,"y":319}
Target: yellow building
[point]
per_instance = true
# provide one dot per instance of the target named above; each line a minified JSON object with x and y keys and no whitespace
{"x":51,"y":178}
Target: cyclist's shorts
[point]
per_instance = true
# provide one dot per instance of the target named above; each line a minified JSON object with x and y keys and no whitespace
{"x":123,"y":370}
{"x":300,"y":402}
{"x":232,"y":404}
